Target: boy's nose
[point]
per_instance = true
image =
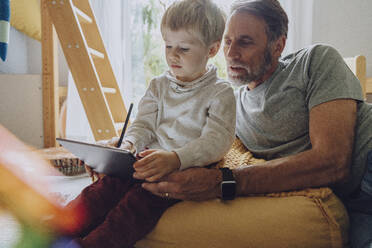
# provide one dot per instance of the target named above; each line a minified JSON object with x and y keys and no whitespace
{"x":174,"y":54}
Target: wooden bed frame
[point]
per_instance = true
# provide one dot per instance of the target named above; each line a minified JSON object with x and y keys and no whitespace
{"x":50,"y":83}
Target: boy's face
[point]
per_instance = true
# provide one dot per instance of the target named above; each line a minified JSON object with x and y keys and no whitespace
{"x":186,"y":55}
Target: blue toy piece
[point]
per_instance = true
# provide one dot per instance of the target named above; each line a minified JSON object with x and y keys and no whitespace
{"x":4,"y":27}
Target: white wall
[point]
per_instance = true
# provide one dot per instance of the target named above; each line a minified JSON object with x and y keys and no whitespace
{"x":346,"y":25}
{"x":21,"y":110}
{"x":24,"y":57}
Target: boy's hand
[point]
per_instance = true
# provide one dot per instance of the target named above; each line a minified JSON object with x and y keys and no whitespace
{"x":110,"y":142}
{"x":155,"y":164}
{"x":126,"y":145}
{"x":92,"y":174}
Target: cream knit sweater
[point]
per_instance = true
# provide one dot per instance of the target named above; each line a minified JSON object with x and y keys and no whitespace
{"x":195,"y":119}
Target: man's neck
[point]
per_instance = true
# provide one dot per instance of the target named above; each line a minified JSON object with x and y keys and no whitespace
{"x":267,"y":75}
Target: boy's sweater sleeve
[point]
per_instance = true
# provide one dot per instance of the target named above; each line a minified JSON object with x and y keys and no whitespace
{"x":141,"y":132}
{"x":217,"y":134}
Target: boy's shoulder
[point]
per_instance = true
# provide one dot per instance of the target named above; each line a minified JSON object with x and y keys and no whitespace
{"x":222,"y":84}
{"x":159,"y":81}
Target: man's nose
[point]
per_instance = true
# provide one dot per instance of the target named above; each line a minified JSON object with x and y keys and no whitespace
{"x":232,"y":52}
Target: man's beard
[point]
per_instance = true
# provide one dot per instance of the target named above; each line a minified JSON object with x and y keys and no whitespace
{"x":254,"y":73}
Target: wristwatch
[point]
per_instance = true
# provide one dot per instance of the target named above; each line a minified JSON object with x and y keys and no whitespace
{"x":228,"y":184}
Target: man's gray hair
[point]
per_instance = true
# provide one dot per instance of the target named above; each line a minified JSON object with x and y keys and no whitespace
{"x":270,"y":11}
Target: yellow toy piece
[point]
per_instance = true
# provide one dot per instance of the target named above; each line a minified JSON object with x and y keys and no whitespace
{"x":26,"y":17}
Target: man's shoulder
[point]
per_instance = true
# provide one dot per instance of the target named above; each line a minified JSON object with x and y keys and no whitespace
{"x":313,"y":52}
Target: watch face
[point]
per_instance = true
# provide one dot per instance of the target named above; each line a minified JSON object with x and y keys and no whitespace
{"x":228,"y":190}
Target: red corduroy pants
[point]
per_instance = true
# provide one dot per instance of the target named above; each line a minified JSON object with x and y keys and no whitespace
{"x":116,"y":213}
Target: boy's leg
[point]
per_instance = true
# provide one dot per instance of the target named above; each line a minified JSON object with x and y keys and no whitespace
{"x":96,"y":200}
{"x":133,"y":217}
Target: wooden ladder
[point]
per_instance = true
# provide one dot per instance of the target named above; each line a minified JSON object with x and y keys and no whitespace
{"x":89,"y":64}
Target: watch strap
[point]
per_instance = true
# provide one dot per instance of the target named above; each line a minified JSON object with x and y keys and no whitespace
{"x":227,"y":174}
{"x":228,"y":184}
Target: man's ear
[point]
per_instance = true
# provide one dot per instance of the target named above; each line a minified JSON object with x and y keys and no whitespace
{"x":278,"y":46}
{"x":213,"y":49}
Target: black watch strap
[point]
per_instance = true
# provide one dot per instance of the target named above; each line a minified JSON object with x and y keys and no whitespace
{"x":228,"y":184}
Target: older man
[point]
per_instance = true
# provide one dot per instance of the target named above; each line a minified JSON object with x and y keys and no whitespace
{"x":304,"y":113}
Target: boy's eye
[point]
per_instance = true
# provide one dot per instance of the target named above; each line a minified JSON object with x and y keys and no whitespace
{"x":184,"y":49}
{"x":168,"y":47}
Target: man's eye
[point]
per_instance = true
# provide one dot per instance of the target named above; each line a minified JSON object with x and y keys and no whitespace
{"x":245,"y":43}
{"x":184,"y":49}
{"x":168,"y":47}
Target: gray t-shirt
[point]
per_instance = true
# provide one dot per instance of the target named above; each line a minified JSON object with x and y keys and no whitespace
{"x":273,"y":118}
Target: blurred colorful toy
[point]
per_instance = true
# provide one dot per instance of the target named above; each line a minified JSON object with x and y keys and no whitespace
{"x":23,"y":192}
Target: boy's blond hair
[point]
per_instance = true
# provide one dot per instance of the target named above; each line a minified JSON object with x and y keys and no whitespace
{"x":201,"y":17}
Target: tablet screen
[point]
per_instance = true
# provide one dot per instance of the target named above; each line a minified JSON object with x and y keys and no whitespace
{"x":107,"y":160}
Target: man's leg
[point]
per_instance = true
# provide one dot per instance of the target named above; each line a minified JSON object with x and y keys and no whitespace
{"x":360,"y":230}
{"x":360,"y":211}
{"x":95,"y":201}
{"x":132,"y":218}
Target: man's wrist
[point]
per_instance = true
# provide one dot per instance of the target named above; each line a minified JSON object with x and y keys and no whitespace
{"x":218,"y":183}
{"x":228,"y":184}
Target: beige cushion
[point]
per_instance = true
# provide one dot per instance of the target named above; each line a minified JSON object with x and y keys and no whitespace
{"x":308,"y":218}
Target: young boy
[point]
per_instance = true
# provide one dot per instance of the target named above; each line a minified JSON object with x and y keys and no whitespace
{"x":186,"y":118}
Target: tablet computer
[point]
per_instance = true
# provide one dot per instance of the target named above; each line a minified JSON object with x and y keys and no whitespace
{"x":102,"y":159}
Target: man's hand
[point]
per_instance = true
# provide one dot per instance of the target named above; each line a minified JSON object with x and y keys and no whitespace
{"x":195,"y":184}
{"x":155,"y":164}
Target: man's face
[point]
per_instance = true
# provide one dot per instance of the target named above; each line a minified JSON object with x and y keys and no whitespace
{"x":247,"y":52}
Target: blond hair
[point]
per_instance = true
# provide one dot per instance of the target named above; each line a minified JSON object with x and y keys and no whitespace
{"x":201,"y":17}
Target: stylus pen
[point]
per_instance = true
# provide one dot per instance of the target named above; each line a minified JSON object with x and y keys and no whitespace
{"x":125,"y":126}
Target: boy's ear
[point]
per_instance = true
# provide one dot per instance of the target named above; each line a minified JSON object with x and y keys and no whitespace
{"x":213,"y":49}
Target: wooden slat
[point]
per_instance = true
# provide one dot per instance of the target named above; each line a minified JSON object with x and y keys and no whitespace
{"x":83,"y":18}
{"x":369,"y":86}
{"x":50,"y":78}
{"x":96,"y":54}
{"x":357,"y":65}
{"x":361,"y":72}
{"x":62,"y":91}
{"x":109,"y":90}
{"x":108,"y":80}
{"x":86,"y":79}
{"x":103,"y":66}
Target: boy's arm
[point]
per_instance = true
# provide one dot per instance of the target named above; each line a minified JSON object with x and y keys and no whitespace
{"x":155,"y":164}
{"x":141,"y":132}
{"x":217,"y":134}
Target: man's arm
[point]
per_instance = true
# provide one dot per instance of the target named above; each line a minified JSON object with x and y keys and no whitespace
{"x":331,"y":131}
